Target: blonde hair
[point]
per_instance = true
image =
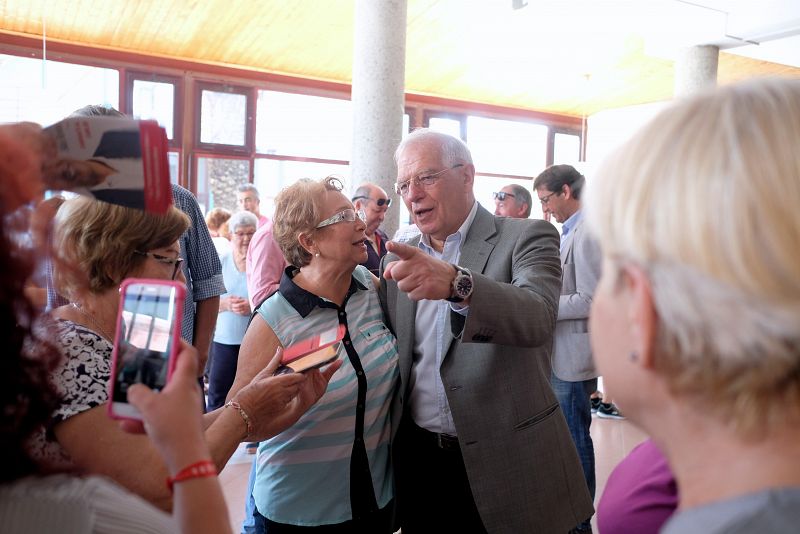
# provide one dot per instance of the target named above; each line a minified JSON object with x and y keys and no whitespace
{"x":706,"y":199}
{"x":95,"y":242}
{"x":298,"y":210}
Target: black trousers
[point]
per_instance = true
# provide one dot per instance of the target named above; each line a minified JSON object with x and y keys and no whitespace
{"x":380,"y":522}
{"x":433,"y":493}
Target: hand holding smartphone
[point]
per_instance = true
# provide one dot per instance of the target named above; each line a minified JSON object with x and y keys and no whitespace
{"x":313,"y":352}
{"x":146,"y":341}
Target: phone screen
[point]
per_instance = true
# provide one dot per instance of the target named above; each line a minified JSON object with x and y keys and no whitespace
{"x":144,"y":341}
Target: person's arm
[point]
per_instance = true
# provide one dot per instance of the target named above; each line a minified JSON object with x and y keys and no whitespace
{"x":584,"y":272}
{"x":265,"y":265}
{"x":205,"y":320}
{"x":176,"y":431}
{"x":98,"y":445}
{"x":520,"y":312}
{"x":259,"y":343}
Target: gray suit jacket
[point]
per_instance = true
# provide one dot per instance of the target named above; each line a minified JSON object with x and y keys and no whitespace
{"x":522,"y":466}
{"x":580,"y":264}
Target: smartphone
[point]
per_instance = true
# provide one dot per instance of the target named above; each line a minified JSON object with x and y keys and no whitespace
{"x":315,"y":351}
{"x":147,"y":339}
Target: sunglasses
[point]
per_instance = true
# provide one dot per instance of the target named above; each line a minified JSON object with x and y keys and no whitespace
{"x":348,"y":215}
{"x":501,"y":196}
{"x":379,"y":201}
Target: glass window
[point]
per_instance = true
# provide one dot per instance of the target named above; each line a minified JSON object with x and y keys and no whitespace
{"x":306,"y":126}
{"x":448,"y":126}
{"x":566,"y":148}
{"x":174,"y":166}
{"x":47,"y":91}
{"x":223,"y":118}
{"x":218,"y":180}
{"x":507,"y":147}
{"x":156,"y":101}
{"x":272,"y":175}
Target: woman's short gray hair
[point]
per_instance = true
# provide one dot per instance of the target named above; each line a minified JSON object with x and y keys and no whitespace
{"x":705,"y":199}
{"x":242,"y":218}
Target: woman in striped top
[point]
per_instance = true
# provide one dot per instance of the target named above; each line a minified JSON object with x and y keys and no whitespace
{"x":331,"y":470}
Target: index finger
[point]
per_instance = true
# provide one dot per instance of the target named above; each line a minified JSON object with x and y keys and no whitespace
{"x":401,"y":250}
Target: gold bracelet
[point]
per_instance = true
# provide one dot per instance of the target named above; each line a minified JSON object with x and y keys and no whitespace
{"x":247,"y":421}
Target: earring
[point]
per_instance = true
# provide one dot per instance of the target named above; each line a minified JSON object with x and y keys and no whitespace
{"x":633,"y":356}
{"x":316,"y":255}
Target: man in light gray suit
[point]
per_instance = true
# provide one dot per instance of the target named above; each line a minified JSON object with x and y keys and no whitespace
{"x":482,"y":445}
{"x":574,"y":376}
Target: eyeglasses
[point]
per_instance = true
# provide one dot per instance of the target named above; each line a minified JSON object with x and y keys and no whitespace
{"x":545,"y":199}
{"x":501,"y":196}
{"x":402,"y":188}
{"x":379,"y":201}
{"x":175,"y":262}
{"x":348,"y":215}
{"x":244,"y":234}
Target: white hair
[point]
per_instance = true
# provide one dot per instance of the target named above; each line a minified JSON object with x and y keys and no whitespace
{"x":706,"y":199}
{"x":242,"y":218}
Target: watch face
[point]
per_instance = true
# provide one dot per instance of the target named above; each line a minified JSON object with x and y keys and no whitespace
{"x":463,"y":285}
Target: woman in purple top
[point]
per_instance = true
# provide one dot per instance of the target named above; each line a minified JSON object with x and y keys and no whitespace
{"x":640,"y":494}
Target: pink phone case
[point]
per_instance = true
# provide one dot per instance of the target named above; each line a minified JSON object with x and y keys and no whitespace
{"x":180,"y":295}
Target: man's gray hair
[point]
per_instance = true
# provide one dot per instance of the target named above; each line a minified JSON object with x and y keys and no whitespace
{"x":249,"y":188}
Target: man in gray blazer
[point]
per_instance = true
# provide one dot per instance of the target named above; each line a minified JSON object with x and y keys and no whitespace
{"x":574,"y":376}
{"x":482,"y":445}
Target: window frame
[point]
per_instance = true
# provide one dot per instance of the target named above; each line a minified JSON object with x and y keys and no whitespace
{"x":247,"y":149}
{"x":131,"y":76}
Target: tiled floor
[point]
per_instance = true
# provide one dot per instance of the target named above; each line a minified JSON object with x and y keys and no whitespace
{"x":612,"y":441}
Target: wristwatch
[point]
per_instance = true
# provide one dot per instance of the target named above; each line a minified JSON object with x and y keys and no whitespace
{"x":461,"y":288}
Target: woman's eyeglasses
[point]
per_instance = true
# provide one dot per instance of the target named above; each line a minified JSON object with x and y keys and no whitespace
{"x":175,"y":262}
{"x":348,"y":215}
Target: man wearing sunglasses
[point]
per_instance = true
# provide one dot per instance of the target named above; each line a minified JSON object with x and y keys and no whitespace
{"x":512,"y":201}
{"x":374,"y":201}
{"x":480,"y":442}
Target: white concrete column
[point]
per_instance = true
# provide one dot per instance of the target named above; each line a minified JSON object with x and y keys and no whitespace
{"x":379,"y":53}
{"x":696,"y":69}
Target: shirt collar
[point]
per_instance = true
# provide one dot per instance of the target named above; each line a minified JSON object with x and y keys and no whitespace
{"x":458,"y":236}
{"x":570,"y":223}
{"x":304,"y":301}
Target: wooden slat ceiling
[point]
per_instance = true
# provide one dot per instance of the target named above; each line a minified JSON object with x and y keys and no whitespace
{"x":450,"y":54}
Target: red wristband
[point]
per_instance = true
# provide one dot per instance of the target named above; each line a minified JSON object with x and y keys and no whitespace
{"x":203,"y":468}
